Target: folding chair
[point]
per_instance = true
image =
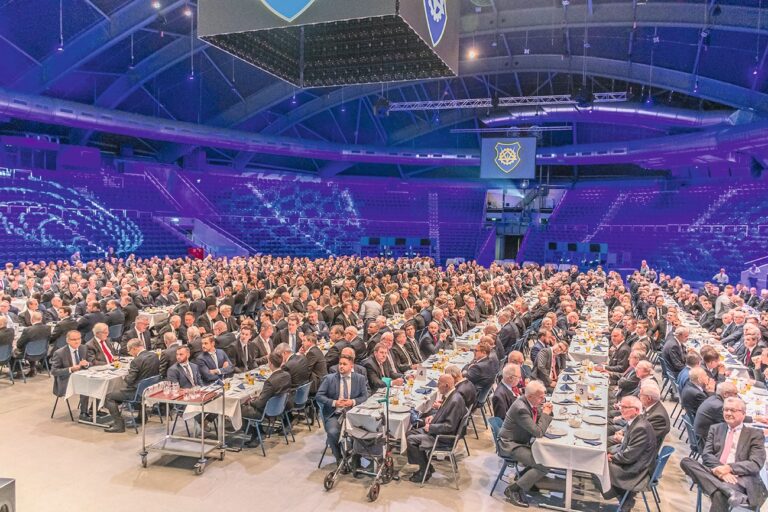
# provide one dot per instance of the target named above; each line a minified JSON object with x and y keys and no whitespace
{"x":496,"y":424}
{"x":6,"y":351}
{"x":437,"y":451}
{"x":34,"y":351}
{"x":134,"y":404}
{"x":275,"y":408}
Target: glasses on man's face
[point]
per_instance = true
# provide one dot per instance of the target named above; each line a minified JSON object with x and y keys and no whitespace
{"x":627,"y":406}
{"x":733,"y":411}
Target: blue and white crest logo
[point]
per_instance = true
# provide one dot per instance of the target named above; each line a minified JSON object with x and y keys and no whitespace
{"x":289,"y":10}
{"x":507,"y":156}
{"x":437,"y":19}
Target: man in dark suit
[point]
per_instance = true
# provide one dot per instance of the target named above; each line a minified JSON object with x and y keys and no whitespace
{"x":168,"y":356}
{"x":505,"y":394}
{"x":729,"y":471}
{"x":208,"y":319}
{"x":509,"y":333}
{"x":654,"y":411}
{"x":296,"y":365}
{"x":710,"y":411}
{"x":115,"y":315}
{"x":336,"y":337}
{"x":548,"y":364}
{"x":277,"y":383}
{"x":696,"y":390}
{"x":340,"y":391}
{"x":433,"y":341}
{"x":130,"y":311}
{"x":66,"y":361}
{"x":378,"y":367}
{"x":65,"y":324}
{"x":630,"y":462}
{"x":225,"y":315}
{"x":140,"y":332}
{"x":99,"y":351}
{"x":263,"y":343}
{"x":184,"y":372}
{"x":481,"y":371}
{"x":618,"y":361}
{"x":315,"y":360}
{"x":214,"y":363}
{"x":290,"y":335}
{"x":92,"y":317}
{"x":36,"y":331}
{"x":462,"y":386}
{"x":246,"y":351}
{"x":401,"y":354}
{"x":225,"y":340}
{"x":412,"y":344}
{"x":527,"y":419}
{"x":446,"y":420}
{"x":145,"y":364}
{"x":674,"y":351}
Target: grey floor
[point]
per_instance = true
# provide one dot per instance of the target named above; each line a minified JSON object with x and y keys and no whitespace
{"x":63,"y":466}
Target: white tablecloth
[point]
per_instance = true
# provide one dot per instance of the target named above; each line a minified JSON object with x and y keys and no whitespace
{"x":568,"y":452}
{"x":97,"y":382}
{"x":233,"y":401}
{"x":157,"y":316}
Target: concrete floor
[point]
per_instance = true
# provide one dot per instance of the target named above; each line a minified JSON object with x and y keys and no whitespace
{"x":63,"y":466}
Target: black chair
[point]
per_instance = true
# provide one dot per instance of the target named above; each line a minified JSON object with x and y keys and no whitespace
{"x":34,"y":351}
{"x":439,"y":449}
{"x":507,"y":462}
{"x":60,"y":342}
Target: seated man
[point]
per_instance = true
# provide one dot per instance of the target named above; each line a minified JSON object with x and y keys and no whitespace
{"x":37,"y":330}
{"x":481,"y":371}
{"x":462,"y":386}
{"x":633,"y":460}
{"x":433,"y":340}
{"x":378,"y":366}
{"x":548,"y":364}
{"x":145,"y":364}
{"x":527,"y":420}
{"x":446,"y":420}
{"x":339,"y":391}
{"x":246,"y":351}
{"x":507,"y":391}
{"x":698,"y":388}
{"x":100,"y":351}
{"x":729,"y":471}
{"x":213,"y":362}
{"x":184,"y":372}
{"x":66,"y":361}
{"x":279,"y":382}
{"x":692,"y":360}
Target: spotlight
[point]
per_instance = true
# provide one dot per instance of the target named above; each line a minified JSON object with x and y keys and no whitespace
{"x":649,"y":100}
{"x":191,"y":75}
{"x":754,"y":72}
{"x":157,"y":5}
{"x":381,"y":107}
{"x":188,"y":12}
{"x":293,"y":100}
{"x":60,"y":48}
{"x":526,"y":51}
{"x":472,"y":54}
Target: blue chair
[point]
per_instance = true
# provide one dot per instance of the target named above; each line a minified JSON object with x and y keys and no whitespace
{"x":653,"y":481}
{"x":115,"y":332}
{"x":6,"y":351}
{"x":133,"y":405}
{"x":34,"y":351}
{"x":693,"y":438}
{"x":301,"y":403}
{"x":60,"y":341}
{"x":496,"y":424}
{"x":274,"y":409}
{"x":482,"y":398}
{"x":699,"y":495}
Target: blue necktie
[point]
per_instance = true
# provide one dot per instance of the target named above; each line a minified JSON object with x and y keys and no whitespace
{"x":345,"y":388}
{"x":77,"y":356}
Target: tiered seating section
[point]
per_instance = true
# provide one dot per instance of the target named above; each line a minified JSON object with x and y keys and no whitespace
{"x":49,"y":215}
{"x":690,"y":231}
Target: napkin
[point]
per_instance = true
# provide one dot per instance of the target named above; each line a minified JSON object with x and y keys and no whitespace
{"x":424,"y":391}
{"x":241,"y":386}
{"x":568,"y":378}
{"x":567,"y":401}
{"x":260,"y":378}
{"x":566,"y":387}
{"x":592,"y":443}
{"x":432,"y":383}
{"x":599,"y":349}
{"x":552,"y":436}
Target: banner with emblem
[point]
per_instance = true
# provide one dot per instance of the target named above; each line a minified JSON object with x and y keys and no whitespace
{"x":508,"y":158}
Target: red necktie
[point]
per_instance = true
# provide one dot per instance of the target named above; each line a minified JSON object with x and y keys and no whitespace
{"x":107,"y":353}
{"x":535,"y":413}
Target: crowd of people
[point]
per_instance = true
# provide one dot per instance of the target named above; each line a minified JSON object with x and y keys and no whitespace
{"x":231,"y":316}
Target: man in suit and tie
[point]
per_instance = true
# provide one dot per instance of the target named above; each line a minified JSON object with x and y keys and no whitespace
{"x":99,"y":351}
{"x":336,"y":337}
{"x":433,"y":341}
{"x":654,"y":411}
{"x":696,"y":390}
{"x":315,"y":360}
{"x":184,"y":372}
{"x":246,"y":351}
{"x":378,"y":367}
{"x":460,"y":324}
{"x":214,"y":363}
{"x":481,"y":371}
{"x":91,"y":318}
{"x":507,"y":391}
{"x":446,"y":421}
{"x":277,"y":383}
{"x":145,"y":364}
{"x":412,"y":344}
{"x":733,"y":336}
{"x":630,"y":462}
{"x":674,"y":351}
{"x":65,"y":324}
{"x":263,"y":343}
{"x":473,"y":313}
{"x":115,"y":315}
{"x":207,"y":320}
{"x":225,"y":315}
{"x":140,"y":332}
{"x":401,"y":353}
{"x":290,"y":335}
{"x":548,"y":364}
{"x":729,"y":471}
{"x":338,"y":392}
{"x":527,"y":419}
{"x":710,"y":411}
{"x":36,"y":331}
{"x":66,"y":361}
{"x":168,"y":356}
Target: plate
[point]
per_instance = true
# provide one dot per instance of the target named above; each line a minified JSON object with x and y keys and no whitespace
{"x":587,"y":435}
{"x":594,"y":406}
{"x":594,"y":420}
{"x":370,"y":406}
{"x":556,"y":431}
{"x":399,"y":408}
{"x":564,"y":401}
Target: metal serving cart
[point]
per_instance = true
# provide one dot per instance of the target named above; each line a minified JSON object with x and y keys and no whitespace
{"x":184,"y":446}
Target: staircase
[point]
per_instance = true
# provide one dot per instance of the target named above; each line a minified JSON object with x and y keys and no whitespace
{"x":609,"y":215}
{"x":720,"y":201}
{"x":434,"y":224}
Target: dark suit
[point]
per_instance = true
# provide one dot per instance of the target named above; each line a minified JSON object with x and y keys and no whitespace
{"x":619,"y":360}
{"x":502,"y":400}
{"x":62,"y":328}
{"x":32,"y":333}
{"x":95,"y":355}
{"x":298,"y":367}
{"x":429,"y":345}
{"x":468,"y":392}
{"x":318,"y":368}
{"x":177,"y":374}
{"x":61,"y":362}
{"x":131,"y":334}
{"x":481,"y":373}
{"x":245,"y":357}
{"x":628,"y":384}
{"x":276,"y":384}
{"x":332,"y":356}
{"x":377,"y":371}
{"x":446,"y":420}
{"x":674,"y":356}
{"x":226,"y":342}
{"x":115,"y":317}
{"x":402,"y":358}
{"x":264,"y":348}
{"x":168,"y":359}
{"x":86,"y":323}
{"x":283,"y":336}
{"x":542,"y":368}
{"x":635,"y":457}
{"x":749,"y":459}
{"x":327,"y":394}
{"x":691,"y":397}
{"x":206,"y":363}
{"x":516,"y":436}
{"x":658,"y":418}
{"x":146,"y":364}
